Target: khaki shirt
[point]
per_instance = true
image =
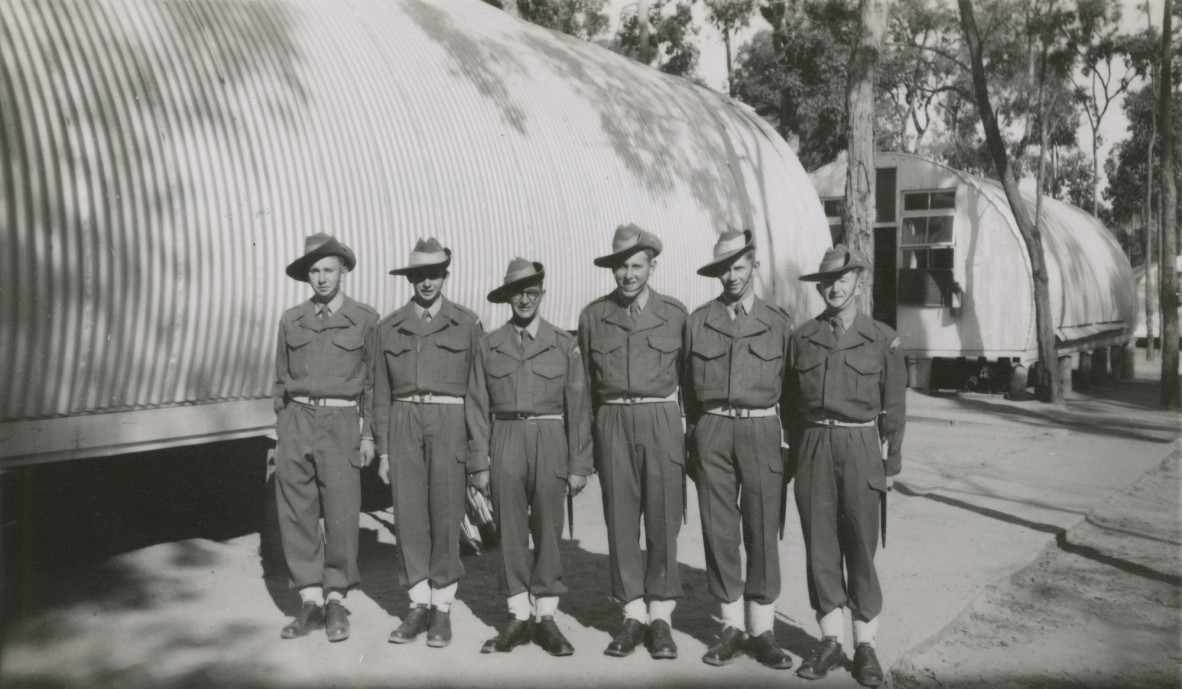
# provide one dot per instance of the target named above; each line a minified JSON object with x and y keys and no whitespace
{"x":856,"y":379}
{"x":641,"y":359}
{"x":329,"y":358}
{"x":546,"y":378}
{"x":419,"y":357}
{"x":742,"y":369}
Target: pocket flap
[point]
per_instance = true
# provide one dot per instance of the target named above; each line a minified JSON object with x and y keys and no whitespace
{"x":454,"y":343}
{"x":864,"y":365}
{"x":665,"y":344}
{"x":767,"y":349}
{"x":808,"y":364}
{"x":549,"y":369}
{"x":299,"y":337}
{"x":878,"y":483}
{"x":604,"y":346}
{"x":500,"y":367}
{"x":398,"y":345}
{"x":348,"y":340}
{"x":709,"y":349}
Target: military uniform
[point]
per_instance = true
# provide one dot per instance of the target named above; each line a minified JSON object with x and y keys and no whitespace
{"x":838,"y":388}
{"x":732,"y":386}
{"x":319,"y":363}
{"x":633,"y":364}
{"x":528,"y":413}
{"x":421,"y":378}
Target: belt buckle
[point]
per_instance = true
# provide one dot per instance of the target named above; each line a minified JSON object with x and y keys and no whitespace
{"x":741,"y":413}
{"x":316,"y":401}
{"x":424,"y":398}
{"x":630,"y":399}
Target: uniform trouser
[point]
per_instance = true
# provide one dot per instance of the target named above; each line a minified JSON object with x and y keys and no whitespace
{"x":528,"y":460}
{"x":839,"y":484}
{"x":317,"y":466}
{"x":739,"y":476}
{"x":640,"y":455}
{"x":428,"y":452}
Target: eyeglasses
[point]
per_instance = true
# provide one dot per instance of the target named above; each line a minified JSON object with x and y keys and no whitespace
{"x":527,"y":295}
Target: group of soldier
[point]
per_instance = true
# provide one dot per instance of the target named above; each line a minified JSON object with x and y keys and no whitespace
{"x":644,"y":394}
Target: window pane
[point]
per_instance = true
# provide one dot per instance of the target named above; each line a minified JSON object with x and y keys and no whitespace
{"x":940,"y":259}
{"x":833,"y":208}
{"x":915,"y":259}
{"x":943,"y":199}
{"x":913,"y":230}
{"x":940,"y":230}
{"x":916,"y":201}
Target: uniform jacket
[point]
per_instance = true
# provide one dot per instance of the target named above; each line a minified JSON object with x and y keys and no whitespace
{"x":744,"y":369}
{"x":418,"y":358}
{"x":547,"y":378}
{"x":332,"y":358}
{"x":855,"y":380}
{"x":641,"y":360}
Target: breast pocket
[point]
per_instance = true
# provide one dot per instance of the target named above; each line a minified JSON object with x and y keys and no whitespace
{"x":549,"y":378}
{"x":299,"y":352}
{"x":866,"y":372}
{"x":454,"y":350}
{"x":662,"y":366}
{"x":346,"y":353}
{"x":400,"y":355}
{"x":500,"y":374}
{"x":709,"y":364}
{"x":769,"y":355}
{"x":609,"y":364}
{"x":810,"y":376}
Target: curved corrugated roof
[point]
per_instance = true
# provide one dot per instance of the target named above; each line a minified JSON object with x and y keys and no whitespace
{"x":161,"y":161}
{"x":1089,"y":276}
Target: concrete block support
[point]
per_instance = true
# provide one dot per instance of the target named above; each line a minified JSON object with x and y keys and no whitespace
{"x":1019,"y":377}
{"x":1130,"y":356}
{"x":1085,"y":369}
{"x":1100,"y":366}
{"x":1066,"y":366}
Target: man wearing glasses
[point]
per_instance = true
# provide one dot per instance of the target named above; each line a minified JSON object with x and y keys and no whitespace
{"x":529,"y":419}
{"x":421,"y":376}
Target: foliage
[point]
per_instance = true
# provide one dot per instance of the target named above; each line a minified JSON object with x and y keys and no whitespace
{"x":671,"y":40}
{"x":729,"y":16}
{"x":584,"y":19}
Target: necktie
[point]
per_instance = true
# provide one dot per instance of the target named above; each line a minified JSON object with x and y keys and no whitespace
{"x":838,"y":326}
{"x":525,"y":338}
{"x":740,"y":316}
{"x":634,"y":312}
{"x":325,"y":312}
{"x":426,"y":316}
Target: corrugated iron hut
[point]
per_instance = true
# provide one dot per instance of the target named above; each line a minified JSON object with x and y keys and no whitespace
{"x":162,"y":161}
{"x":953,"y":276}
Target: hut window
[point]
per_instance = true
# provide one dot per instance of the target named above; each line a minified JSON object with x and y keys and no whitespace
{"x":833,"y":207}
{"x":927,"y":245}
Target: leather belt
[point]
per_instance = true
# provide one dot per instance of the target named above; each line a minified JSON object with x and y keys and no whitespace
{"x":742,"y":412}
{"x":324,"y":401}
{"x":829,"y":422}
{"x":630,"y":399}
{"x":525,"y":416}
{"x":430,"y":398}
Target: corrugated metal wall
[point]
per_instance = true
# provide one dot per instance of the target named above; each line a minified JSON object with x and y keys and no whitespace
{"x":161,"y":162}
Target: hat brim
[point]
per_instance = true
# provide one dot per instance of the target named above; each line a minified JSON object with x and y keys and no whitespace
{"x":501,"y":294}
{"x":298,"y":269}
{"x":406,"y":270}
{"x":822,"y":275}
{"x":719,"y":265}
{"x":615,"y":259}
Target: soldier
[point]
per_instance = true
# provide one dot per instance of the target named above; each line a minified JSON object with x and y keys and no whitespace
{"x":631,"y":344}
{"x":421,"y":378}
{"x":735,"y":347}
{"x":323,"y":399}
{"x":527,"y":377}
{"x":845,"y":372}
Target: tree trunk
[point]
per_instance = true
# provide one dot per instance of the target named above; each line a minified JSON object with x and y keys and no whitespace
{"x":1049,"y":385}
{"x":1095,"y":169}
{"x":1150,"y":294}
{"x":1169,"y":224}
{"x":644,"y":52}
{"x":730,"y":70}
{"x":858,"y":214}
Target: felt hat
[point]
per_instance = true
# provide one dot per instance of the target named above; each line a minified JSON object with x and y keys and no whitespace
{"x":628,"y":240}
{"x":730,"y":246}
{"x":837,"y":260}
{"x":520,"y":274}
{"x":316,"y":247}
{"x":427,"y":253}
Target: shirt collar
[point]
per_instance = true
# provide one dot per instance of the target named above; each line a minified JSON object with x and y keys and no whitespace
{"x":433,"y":309}
{"x":641,"y":299}
{"x":334,"y":306}
{"x":532,"y":328}
{"x":748,"y":303}
{"x":847,"y":318}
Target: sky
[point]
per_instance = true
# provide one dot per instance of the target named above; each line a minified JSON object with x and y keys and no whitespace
{"x":712,"y":62}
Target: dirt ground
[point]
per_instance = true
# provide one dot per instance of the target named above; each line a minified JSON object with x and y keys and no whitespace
{"x":1010,"y":561}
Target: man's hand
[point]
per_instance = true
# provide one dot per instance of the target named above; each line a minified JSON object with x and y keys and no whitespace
{"x":384,"y":469}
{"x":367,"y":451}
{"x":890,"y":482}
{"x":575,"y":484}
{"x":480,"y":481}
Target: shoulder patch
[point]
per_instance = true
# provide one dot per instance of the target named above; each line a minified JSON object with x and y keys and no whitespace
{"x":574,"y":352}
{"x":478,"y":325}
{"x":894,"y":344}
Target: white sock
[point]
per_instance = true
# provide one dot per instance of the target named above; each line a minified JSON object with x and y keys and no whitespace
{"x":865,"y":631}
{"x":760,"y":617}
{"x":441,"y":599}
{"x":634,"y":610}
{"x":420,"y":594}
{"x":661,"y":610}
{"x":312,"y":594}
{"x":519,"y":606}
{"x":832,"y":623}
{"x":546,"y":606}
{"x":732,"y":614}
{"x":336,"y":595}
